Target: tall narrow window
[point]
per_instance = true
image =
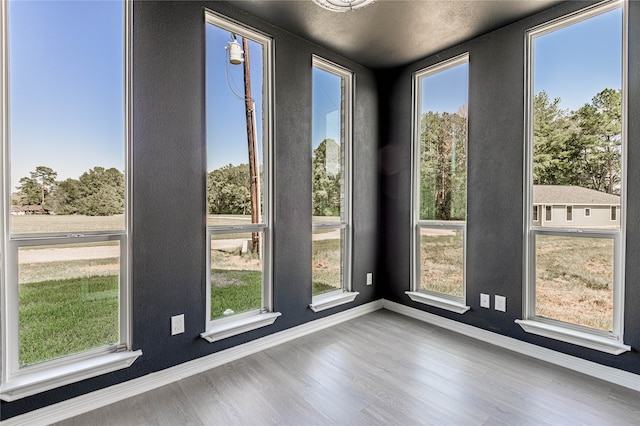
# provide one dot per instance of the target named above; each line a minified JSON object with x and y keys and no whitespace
{"x":440,"y":184}
{"x":576,"y":148}
{"x":331,"y":189}
{"x":238,"y":192}
{"x":64,"y":276}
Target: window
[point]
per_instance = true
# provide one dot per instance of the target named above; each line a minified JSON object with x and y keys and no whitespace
{"x":535,"y":213}
{"x":547,"y":213}
{"x":576,"y":148}
{"x":65,"y":279}
{"x":614,"y":213}
{"x":587,"y":212}
{"x":238,"y":192}
{"x":440,"y":184}
{"x":331,"y":185}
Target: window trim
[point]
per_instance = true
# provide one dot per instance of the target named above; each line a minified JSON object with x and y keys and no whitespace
{"x":431,"y":298}
{"x":17,"y":382}
{"x":608,"y":342}
{"x":345,"y":294}
{"x":221,"y":328}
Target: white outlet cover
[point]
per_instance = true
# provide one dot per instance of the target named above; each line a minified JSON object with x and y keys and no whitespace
{"x":500,"y":303}
{"x":485,"y":300}
{"x":177,"y":324}
{"x":369,"y":278}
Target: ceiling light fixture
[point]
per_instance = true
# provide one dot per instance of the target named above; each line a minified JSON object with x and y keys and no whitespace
{"x":343,"y":5}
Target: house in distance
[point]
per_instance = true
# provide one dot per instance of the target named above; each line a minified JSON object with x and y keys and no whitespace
{"x":574,"y":206}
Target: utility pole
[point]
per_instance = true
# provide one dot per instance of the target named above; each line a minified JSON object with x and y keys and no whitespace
{"x":254,"y":171}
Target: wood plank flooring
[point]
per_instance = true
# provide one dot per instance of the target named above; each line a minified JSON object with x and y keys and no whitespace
{"x":379,"y":369}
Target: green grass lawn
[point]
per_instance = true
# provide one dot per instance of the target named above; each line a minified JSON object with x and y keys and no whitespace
{"x":240,"y":291}
{"x":71,"y":306}
{"x":63,"y":317}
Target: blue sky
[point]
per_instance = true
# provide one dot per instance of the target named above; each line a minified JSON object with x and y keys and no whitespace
{"x":446,"y":91}
{"x":577,"y":62}
{"x":326,"y":107}
{"x":226,"y":119}
{"x":70,"y":118}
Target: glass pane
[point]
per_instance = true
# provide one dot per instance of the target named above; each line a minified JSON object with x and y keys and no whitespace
{"x":328,"y":148}
{"x":236,"y":273}
{"x":68,"y":299}
{"x":443,"y":144}
{"x":577,"y":120}
{"x":574,"y":280}
{"x":328,"y":252}
{"x":234,"y":99}
{"x":442,"y":261}
{"x":67,"y":116}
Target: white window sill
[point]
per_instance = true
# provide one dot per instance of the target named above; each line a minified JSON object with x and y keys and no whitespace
{"x":580,"y":338}
{"x":232,"y":326}
{"x":438,"y":302}
{"x":331,"y":300}
{"x":42,"y":379}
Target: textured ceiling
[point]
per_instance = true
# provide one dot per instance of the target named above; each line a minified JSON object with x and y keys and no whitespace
{"x":393,"y":32}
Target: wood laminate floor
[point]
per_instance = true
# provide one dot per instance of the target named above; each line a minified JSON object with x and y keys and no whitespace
{"x":379,"y":369}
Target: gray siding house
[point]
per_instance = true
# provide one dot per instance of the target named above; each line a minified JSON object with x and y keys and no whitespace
{"x":574,"y":206}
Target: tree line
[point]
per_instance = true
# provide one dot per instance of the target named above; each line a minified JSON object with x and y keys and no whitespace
{"x":228,"y":188}
{"x":580,"y":148}
{"x":443,"y":165}
{"x":326,"y":180}
{"x":98,"y":192}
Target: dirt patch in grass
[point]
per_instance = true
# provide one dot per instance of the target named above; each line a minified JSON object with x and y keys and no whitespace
{"x":326,"y":265}
{"x":574,"y":280}
{"x":442,"y":263}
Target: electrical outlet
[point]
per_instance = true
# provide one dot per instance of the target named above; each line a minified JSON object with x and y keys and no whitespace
{"x":369,"y":278}
{"x":177,"y":324}
{"x":485,"y":300}
{"x":500,"y":303}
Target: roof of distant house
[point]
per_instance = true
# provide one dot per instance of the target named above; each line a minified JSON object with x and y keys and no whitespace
{"x":568,"y":194}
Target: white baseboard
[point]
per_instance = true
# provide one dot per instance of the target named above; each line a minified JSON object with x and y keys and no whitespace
{"x":100,"y":398}
{"x":609,"y":374}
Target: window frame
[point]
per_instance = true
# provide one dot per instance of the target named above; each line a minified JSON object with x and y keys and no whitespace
{"x":345,"y":294}
{"x":221,"y":328}
{"x":416,"y":293}
{"x":17,"y":382}
{"x":608,"y":342}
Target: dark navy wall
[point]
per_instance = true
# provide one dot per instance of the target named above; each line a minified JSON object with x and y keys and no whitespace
{"x":169,"y":179}
{"x":168,"y":155}
{"x":495,"y":168}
